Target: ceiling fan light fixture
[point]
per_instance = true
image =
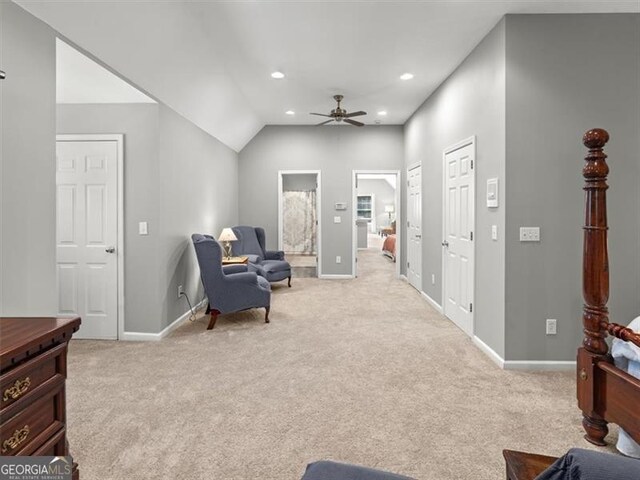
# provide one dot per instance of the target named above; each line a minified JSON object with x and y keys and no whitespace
{"x":406,"y":76}
{"x":290,"y":112}
{"x":277,"y":75}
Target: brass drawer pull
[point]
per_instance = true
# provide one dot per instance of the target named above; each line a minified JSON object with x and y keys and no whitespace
{"x":20,"y":387}
{"x":16,"y":439}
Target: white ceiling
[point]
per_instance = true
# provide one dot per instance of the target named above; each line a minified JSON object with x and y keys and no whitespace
{"x":81,"y":80}
{"x":211,"y":61}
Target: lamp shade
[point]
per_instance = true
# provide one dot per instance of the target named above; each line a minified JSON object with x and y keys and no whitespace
{"x":389,"y":209}
{"x":227,"y":235}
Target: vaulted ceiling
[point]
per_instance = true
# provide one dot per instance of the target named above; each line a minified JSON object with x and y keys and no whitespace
{"x":212,"y":61}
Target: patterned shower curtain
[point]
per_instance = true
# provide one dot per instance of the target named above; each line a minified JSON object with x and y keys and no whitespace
{"x":299,"y":222}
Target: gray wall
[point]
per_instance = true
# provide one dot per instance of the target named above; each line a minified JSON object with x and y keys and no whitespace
{"x":199,"y":192}
{"x":27,"y":165}
{"x":470,"y":102}
{"x":336,"y":151}
{"x":565,"y":75}
{"x":299,"y":182}
{"x":177,"y":178}
{"x":139,"y":124}
{"x":384,"y":194}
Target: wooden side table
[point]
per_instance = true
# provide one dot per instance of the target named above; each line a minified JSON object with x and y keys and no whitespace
{"x":235,"y":260}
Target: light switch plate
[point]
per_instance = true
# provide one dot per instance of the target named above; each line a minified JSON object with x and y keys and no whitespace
{"x":337,"y":219}
{"x":143,"y":228}
{"x":494,"y":232}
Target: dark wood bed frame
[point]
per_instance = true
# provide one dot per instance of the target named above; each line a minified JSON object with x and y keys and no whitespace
{"x":606,"y":394}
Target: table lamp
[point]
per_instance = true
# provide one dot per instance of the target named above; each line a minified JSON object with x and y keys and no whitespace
{"x":389,"y":209}
{"x":227,"y":236}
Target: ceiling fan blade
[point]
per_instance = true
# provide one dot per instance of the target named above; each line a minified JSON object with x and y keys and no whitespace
{"x":353,"y":122}
{"x":324,"y":123}
{"x":320,"y":114}
{"x":355,"y":114}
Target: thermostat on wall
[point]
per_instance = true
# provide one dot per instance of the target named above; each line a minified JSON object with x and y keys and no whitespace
{"x":492,"y":193}
{"x":341,"y":205}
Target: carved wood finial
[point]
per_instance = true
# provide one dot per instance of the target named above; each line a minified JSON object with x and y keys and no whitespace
{"x":595,"y":274}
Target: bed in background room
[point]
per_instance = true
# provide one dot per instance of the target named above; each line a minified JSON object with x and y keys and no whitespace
{"x":389,"y":246}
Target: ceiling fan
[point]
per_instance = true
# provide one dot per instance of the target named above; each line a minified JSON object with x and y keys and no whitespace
{"x":340,"y":114}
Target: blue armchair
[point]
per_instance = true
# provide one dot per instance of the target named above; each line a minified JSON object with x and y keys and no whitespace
{"x":227,"y":290}
{"x":269,"y":264}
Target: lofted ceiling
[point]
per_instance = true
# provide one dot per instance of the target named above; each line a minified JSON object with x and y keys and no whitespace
{"x":211,"y":61}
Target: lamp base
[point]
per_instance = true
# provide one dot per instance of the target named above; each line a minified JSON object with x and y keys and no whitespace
{"x":227,"y":250}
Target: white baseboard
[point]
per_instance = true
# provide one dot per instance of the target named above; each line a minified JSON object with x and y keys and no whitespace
{"x":540,"y":365}
{"x":404,"y":278}
{"x":335,"y":277}
{"x":432,"y":302}
{"x":537,"y":365}
{"x":156,"y":337}
{"x":489,"y":352}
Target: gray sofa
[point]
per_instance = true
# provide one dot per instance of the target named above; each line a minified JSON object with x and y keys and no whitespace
{"x":269,"y":264}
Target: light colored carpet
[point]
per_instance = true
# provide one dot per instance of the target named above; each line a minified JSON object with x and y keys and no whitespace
{"x":360,"y":371}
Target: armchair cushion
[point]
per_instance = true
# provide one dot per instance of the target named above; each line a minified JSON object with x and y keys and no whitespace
{"x":325,"y":470}
{"x":269,"y":264}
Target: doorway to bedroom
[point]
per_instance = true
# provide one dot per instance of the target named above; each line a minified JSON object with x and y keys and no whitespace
{"x":376,"y":201}
{"x":299,"y":220}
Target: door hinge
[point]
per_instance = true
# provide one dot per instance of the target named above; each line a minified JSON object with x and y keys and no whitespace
{"x":470,"y":307}
{"x":471,"y":235}
{"x":408,"y":264}
{"x":471,"y":164}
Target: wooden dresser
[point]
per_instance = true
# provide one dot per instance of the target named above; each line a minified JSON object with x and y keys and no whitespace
{"x":33,"y":370}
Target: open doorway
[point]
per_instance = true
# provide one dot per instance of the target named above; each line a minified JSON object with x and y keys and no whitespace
{"x":299,"y":220}
{"x":376,"y":201}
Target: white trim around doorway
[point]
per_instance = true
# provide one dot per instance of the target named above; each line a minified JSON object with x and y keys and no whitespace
{"x":318,"y":174}
{"x":354,"y":215}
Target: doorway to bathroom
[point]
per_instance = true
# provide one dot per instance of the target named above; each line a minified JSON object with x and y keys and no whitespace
{"x":299,"y":220}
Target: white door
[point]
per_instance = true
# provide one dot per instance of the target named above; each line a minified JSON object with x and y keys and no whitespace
{"x":458,"y":236}
{"x":86,"y":235}
{"x":414,"y":227}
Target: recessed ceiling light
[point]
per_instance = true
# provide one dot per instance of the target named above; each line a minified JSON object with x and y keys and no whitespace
{"x":277,"y":75}
{"x":290,"y":112}
{"x":406,"y":76}
{"x":382,"y":113}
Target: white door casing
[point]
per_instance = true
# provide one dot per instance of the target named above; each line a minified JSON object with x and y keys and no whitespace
{"x":414,"y":226}
{"x":458,"y":227}
{"x":87,"y":232}
{"x":318,"y":174}
{"x":354,"y":215}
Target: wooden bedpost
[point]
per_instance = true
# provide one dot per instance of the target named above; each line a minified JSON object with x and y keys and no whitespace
{"x":595,"y":282}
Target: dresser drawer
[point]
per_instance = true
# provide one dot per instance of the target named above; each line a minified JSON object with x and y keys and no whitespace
{"x":25,"y":379}
{"x":32,"y":427}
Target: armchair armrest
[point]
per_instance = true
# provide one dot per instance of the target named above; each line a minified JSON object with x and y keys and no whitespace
{"x":244,"y":278}
{"x":274,"y":255}
{"x":235,"y":268}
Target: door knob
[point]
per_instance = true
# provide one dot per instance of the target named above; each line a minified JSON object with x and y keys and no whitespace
{"x":445,"y":244}
{"x":418,"y":236}
{"x":110,"y":250}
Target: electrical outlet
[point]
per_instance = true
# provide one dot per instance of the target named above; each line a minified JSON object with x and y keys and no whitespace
{"x":433,"y":279}
{"x":552,"y":326}
{"x":338,"y":259}
{"x":529,"y":234}
{"x":180,"y":290}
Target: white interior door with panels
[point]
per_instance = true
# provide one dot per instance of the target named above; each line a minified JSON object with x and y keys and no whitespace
{"x":414,"y":226}
{"x":88,"y":231}
{"x":458,"y":247}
